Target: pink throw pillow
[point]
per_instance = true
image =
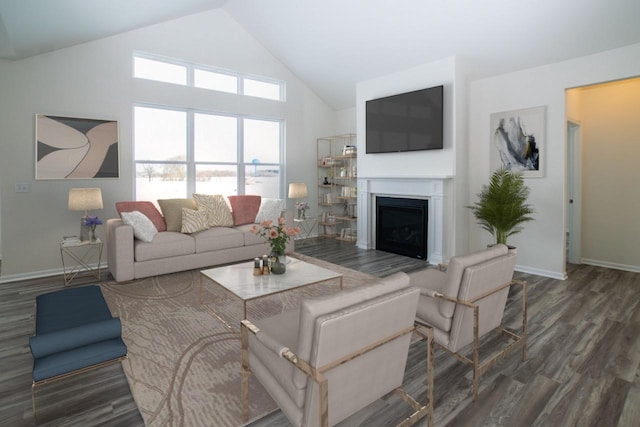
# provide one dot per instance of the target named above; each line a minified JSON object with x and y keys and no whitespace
{"x":244,"y":208}
{"x":146,"y":208}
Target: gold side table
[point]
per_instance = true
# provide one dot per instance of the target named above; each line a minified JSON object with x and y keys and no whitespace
{"x":306,"y":227}
{"x":81,"y":256}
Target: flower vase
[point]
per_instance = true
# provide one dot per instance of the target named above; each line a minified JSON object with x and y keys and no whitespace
{"x":278,"y":262}
{"x":93,"y":235}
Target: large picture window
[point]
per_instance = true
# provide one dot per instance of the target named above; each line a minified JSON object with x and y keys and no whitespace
{"x":182,"y":151}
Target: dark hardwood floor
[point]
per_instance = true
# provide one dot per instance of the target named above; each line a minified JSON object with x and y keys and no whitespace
{"x":581,"y":367}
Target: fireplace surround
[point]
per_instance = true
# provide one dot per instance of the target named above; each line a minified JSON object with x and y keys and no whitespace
{"x":433,"y":189}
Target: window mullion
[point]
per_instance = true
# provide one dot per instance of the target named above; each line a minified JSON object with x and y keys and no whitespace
{"x":191,"y":168}
{"x":241,"y":168}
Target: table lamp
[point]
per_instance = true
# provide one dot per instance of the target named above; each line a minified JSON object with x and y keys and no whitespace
{"x":298,"y":190}
{"x":84,"y":199}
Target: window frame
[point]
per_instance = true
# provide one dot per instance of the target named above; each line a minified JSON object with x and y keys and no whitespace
{"x":192,"y":67}
{"x":191,"y":163}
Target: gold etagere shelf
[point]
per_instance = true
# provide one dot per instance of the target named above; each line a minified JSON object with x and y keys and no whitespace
{"x":337,"y":187}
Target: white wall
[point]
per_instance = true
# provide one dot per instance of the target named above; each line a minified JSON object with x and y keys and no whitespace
{"x":610,"y":191}
{"x":541,"y":244}
{"x":95,"y":80}
{"x":346,"y":121}
{"x":420,"y":164}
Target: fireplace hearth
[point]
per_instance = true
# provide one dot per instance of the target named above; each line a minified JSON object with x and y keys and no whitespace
{"x":401,"y":226}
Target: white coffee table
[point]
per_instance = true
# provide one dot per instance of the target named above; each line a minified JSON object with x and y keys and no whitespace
{"x":240,"y":281}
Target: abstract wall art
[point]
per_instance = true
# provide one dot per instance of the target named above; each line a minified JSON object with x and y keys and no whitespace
{"x":517,"y":141}
{"x":76,"y":148}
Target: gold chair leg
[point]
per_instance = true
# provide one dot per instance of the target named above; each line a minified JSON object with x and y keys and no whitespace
{"x":430,"y":400}
{"x":245,"y":374}
{"x":33,"y":401}
{"x":476,"y":351}
{"x":324,"y":402}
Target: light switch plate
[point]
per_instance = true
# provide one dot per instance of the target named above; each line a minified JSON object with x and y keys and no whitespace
{"x":22,"y":187}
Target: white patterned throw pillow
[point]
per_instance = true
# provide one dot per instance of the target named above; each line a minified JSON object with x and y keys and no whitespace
{"x":216,"y":208}
{"x":270,"y":209}
{"x":194,"y":220}
{"x":143,"y":228}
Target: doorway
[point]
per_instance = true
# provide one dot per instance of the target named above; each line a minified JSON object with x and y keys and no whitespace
{"x":574,"y":192}
{"x":601,"y":210}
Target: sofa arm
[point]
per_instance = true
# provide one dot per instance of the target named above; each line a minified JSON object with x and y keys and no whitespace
{"x":120,"y":254}
{"x":72,"y":338}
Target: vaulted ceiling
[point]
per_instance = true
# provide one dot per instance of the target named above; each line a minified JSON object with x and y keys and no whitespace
{"x":333,"y":44}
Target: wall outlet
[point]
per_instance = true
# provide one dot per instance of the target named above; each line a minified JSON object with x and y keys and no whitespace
{"x":22,"y":187}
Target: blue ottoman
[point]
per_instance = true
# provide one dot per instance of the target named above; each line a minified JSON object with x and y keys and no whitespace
{"x":75,"y":331}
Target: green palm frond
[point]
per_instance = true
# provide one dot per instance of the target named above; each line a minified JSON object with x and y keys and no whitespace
{"x":501,"y":208}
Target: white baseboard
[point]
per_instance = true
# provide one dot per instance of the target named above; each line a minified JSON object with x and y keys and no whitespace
{"x":40,"y":274}
{"x":544,"y":273}
{"x":614,"y":265}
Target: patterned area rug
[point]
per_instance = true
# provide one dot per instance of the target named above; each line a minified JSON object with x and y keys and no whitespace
{"x":184,"y":362}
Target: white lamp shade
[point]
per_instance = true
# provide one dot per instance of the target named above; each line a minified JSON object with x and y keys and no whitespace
{"x":297,"y":190}
{"x":84,"y":199}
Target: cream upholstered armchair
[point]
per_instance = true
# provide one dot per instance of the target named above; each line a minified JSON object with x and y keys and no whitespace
{"x":467,"y":301}
{"x":335,"y":355}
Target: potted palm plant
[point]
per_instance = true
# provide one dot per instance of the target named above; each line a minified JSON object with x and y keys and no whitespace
{"x":501,"y":208}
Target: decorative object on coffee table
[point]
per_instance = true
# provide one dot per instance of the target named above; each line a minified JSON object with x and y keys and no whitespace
{"x":278,"y":262}
{"x":277,"y":235}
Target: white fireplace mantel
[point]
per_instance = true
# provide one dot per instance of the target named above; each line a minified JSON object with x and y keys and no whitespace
{"x":430,"y":188}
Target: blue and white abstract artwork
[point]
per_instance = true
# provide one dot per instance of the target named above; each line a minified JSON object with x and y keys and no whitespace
{"x":517,"y":141}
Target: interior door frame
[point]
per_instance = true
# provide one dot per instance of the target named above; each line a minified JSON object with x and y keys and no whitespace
{"x":573,"y":236}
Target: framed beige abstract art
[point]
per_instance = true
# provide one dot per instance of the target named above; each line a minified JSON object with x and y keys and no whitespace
{"x":76,"y":148}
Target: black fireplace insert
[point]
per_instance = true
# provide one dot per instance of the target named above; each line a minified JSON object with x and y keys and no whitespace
{"x":401,"y":226}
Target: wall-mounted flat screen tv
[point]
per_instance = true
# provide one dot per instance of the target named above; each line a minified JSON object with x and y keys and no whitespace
{"x":406,"y":122}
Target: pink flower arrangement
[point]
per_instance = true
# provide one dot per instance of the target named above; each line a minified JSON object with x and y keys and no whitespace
{"x":277,"y":235}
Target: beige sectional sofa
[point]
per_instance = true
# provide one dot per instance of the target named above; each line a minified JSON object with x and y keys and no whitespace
{"x":130,"y":258}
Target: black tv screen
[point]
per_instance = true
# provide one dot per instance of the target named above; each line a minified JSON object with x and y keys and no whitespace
{"x":406,"y":122}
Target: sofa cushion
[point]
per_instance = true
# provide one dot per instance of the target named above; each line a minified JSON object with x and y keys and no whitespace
{"x":270,"y":210}
{"x":217,"y":209}
{"x":143,"y":228}
{"x":146,"y":208}
{"x":165,"y":245}
{"x":172,"y":211}
{"x":244,"y":208}
{"x":194,"y":220}
{"x":217,"y":238}
{"x":250,"y":238}
{"x":69,"y":308}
